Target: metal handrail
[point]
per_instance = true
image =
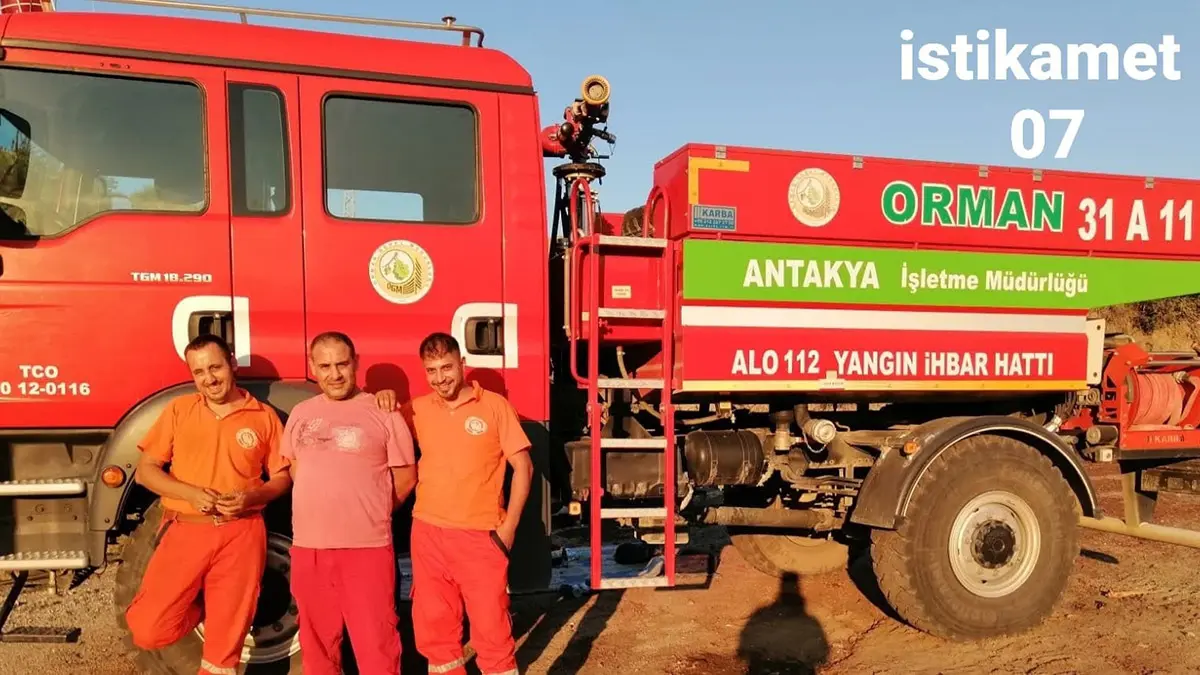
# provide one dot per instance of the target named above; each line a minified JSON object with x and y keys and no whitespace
{"x":244,"y":12}
{"x":580,"y":187}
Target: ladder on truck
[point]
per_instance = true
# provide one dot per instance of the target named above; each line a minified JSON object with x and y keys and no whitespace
{"x":597,"y":246}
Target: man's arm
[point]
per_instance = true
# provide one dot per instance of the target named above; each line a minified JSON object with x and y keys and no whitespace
{"x":404,"y":481}
{"x":401,"y":456}
{"x":158,"y":448}
{"x":150,"y":474}
{"x":522,"y":480}
{"x":287,"y":445}
{"x":515,"y":445}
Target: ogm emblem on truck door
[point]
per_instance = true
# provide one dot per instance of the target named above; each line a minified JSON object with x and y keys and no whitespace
{"x":401,"y":272}
{"x":814,"y":197}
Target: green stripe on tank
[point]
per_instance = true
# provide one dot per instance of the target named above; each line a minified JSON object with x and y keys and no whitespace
{"x":770,"y":272}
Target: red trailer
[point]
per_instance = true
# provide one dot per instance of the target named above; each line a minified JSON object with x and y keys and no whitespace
{"x":815,"y":351}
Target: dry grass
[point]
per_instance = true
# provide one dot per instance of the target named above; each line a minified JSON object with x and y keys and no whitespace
{"x":1168,"y":324}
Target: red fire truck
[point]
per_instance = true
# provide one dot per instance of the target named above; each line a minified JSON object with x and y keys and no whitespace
{"x":811,"y":350}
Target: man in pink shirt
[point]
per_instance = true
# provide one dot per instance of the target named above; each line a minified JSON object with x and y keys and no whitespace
{"x":352,"y":464}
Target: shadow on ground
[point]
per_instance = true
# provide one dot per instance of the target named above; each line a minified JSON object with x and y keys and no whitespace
{"x":782,"y":637}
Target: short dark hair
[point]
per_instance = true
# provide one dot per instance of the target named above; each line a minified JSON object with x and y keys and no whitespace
{"x":206,"y":340}
{"x":333,"y":336}
{"x":438,"y":344}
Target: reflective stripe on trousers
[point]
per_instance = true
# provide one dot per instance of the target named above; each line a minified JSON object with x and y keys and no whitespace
{"x":447,"y":667}
{"x":216,"y":670}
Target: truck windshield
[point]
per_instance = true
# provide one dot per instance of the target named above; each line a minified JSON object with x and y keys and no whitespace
{"x":74,"y":145}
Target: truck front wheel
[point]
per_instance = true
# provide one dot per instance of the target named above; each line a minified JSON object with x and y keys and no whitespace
{"x":273,"y":645}
{"x":988,"y":544}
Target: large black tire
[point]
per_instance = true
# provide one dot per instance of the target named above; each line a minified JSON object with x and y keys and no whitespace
{"x":276,"y":650}
{"x":779,"y":555}
{"x":988,"y":546}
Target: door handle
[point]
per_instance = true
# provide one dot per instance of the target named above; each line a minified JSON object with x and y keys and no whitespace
{"x":211,"y":323}
{"x":484,"y":335}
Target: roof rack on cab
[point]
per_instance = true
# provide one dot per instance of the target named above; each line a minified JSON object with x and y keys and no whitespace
{"x":245,"y":12}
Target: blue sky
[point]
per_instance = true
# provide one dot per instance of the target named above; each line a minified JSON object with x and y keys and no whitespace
{"x":824,"y":76}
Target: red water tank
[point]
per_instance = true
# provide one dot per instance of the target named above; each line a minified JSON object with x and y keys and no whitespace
{"x":19,"y":6}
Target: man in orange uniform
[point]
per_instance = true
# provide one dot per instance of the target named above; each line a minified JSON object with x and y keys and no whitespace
{"x":213,"y":538}
{"x":461,"y":532}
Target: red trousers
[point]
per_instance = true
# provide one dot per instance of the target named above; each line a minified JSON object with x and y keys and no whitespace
{"x":451,"y":568}
{"x":351,"y":587}
{"x":225,"y":562}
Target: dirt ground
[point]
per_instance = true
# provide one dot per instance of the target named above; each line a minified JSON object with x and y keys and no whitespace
{"x":1130,"y":608}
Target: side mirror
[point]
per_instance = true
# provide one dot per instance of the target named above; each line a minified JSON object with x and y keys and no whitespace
{"x":20,"y":123}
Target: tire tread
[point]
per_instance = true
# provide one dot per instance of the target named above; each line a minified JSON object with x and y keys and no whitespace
{"x":894,"y":557}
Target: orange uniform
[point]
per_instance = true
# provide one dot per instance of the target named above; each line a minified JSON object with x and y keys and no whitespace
{"x":222,"y":557}
{"x":457,"y":557}
{"x":464,"y":454}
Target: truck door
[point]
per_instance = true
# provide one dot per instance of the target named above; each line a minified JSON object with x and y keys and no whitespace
{"x":114,"y":248}
{"x":402,"y":222}
{"x":265,"y":213}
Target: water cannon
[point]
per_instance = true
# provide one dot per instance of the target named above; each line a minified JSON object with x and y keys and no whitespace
{"x":596,"y":91}
{"x":573,"y":137}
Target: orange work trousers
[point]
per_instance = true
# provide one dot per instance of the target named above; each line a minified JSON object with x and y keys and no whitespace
{"x":226,"y":562}
{"x":452,"y":568}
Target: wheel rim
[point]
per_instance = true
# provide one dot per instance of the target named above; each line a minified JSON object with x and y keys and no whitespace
{"x":994,"y":544}
{"x":275,"y":632}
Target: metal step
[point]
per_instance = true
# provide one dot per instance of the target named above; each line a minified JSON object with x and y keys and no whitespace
{"x":631,"y":242}
{"x":50,"y":487}
{"x":634,"y":582}
{"x":682,"y":537}
{"x":44,"y":560}
{"x":652,"y":512}
{"x":630,"y":383}
{"x":659,"y":443}
{"x":623,"y":313}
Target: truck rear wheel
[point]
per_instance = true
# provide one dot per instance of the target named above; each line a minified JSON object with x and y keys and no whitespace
{"x":778,"y":555}
{"x":273,"y":645}
{"x":988,"y":546}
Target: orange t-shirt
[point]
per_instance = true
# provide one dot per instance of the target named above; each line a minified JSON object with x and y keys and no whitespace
{"x":225,"y":454}
{"x":464,"y":449}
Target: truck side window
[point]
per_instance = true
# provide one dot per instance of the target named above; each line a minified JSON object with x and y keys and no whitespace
{"x":76,"y":145}
{"x":401,"y":161}
{"x":258,"y":151}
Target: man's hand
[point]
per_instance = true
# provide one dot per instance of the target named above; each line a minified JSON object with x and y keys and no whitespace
{"x":238,"y":502}
{"x":386,"y":400}
{"x":203,"y":500}
{"x":232,"y":503}
{"x":507,"y":533}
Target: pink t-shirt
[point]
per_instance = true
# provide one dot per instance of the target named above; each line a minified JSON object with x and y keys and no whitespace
{"x":343,"y":495}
